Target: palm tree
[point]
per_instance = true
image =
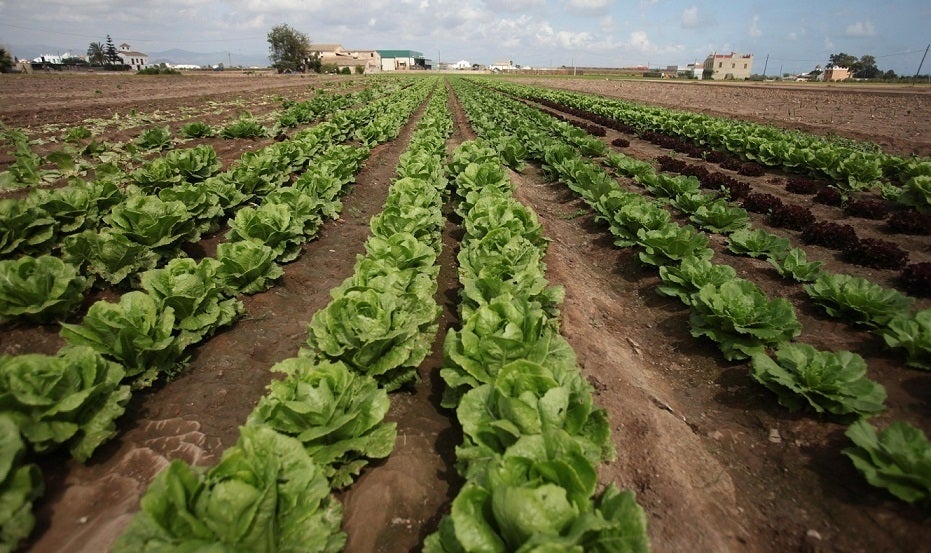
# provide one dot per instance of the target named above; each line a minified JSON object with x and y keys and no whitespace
{"x":96,"y":53}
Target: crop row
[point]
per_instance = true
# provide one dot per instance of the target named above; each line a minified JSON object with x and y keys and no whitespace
{"x":532,"y":434}
{"x":736,"y":315}
{"x":73,"y":398}
{"x":849,"y":165}
{"x":319,"y":424}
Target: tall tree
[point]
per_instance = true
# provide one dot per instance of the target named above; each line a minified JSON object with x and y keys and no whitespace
{"x":6,"y":62}
{"x":289,"y":49}
{"x":842,"y":60}
{"x":866,"y":68}
{"x":112,"y":57}
{"x":96,"y":53}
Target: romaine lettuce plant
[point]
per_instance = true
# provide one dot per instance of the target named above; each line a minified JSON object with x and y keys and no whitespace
{"x":152,"y":222}
{"x":338,"y":415}
{"x":911,"y":333}
{"x":136,"y":332}
{"x":195,"y":292}
{"x":739,"y":317}
{"x":72,"y":398}
{"x":270,"y":224}
{"x":688,"y":276}
{"x":20,"y":485}
{"x":897,"y":458}
{"x":246,"y":267}
{"x":265,"y":495}
{"x":825,"y":381}
{"x":671,"y":244}
{"x":39,"y":289}
{"x":108,"y":254}
{"x":757,"y":243}
{"x":794,"y":264}
{"x":857,"y":299}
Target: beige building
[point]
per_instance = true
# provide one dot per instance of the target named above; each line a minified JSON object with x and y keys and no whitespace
{"x":136,"y":60}
{"x":335,"y":54}
{"x":834,"y":73}
{"x":731,"y":66}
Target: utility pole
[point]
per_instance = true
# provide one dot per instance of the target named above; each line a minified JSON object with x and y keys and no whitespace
{"x":229,"y":60}
{"x":918,"y":72}
{"x":765,"y":65}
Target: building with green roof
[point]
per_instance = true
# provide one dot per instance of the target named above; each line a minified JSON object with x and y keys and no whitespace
{"x":403,"y":60}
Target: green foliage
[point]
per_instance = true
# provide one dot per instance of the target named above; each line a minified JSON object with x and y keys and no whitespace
{"x":197,"y":129}
{"x":898,"y":459}
{"x":39,"y":289}
{"x":76,"y":134}
{"x":721,"y":218}
{"x":266,"y":495}
{"x":911,"y":333}
{"x":689,"y":275}
{"x":384,"y":334}
{"x":20,"y":485}
{"x":71,"y":399}
{"x":150,"y":221}
{"x":108,"y":254}
{"x":155,"y":70}
{"x":758,"y":243}
{"x":335,"y":413}
{"x":154,"y":138}
{"x":195,"y":292}
{"x":794,"y":264}
{"x":672,"y":243}
{"x":503,"y":330}
{"x":244,"y":127}
{"x":917,"y":192}
{"x":825,"y":381}
{"x":270,"y":224}
{"x":136,"y":332}
{"x":247,"y":267}
{"x":739,"y":317}
{"x":857,"y":299}
{"x":289,"y":49}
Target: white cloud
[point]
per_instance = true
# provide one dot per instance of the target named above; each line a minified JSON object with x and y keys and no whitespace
{"x":693,"y":18}
{"x":589,"y":7}
{"x":754,"y":28}
{"x":792,"y":36}
{"x":860,"y":29}
{"x":513,"y":5}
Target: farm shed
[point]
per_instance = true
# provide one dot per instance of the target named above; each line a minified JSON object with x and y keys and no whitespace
{"x":401,"y":60}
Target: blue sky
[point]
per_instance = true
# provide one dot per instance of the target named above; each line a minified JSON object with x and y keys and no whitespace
{"x":797,"y":34}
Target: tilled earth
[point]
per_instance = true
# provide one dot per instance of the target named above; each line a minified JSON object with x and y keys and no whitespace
{"x":716,"y":462}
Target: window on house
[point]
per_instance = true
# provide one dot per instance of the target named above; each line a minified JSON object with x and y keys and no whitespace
{"x":720,"y":64}
{"x":733,"y":65}
{"x":745,"y":66}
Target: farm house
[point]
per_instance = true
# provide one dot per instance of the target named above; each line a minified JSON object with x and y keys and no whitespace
{"x":403,"y":60}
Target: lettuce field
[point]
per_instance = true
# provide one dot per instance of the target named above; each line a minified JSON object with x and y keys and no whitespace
{"x":455,"y":313}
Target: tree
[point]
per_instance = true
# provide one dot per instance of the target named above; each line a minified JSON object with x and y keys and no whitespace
{"x":289,"y":49}
{"x":866,"y":68}
{"x":112,"y":57}
{"x":843,"y":60}
{"x":96,"y":53}
{"x":6,"y":62}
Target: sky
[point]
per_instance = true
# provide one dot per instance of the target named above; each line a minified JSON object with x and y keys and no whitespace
{"x":795,"y":34}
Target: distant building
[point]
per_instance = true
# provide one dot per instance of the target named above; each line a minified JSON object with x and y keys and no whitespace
{"x":335,"y":54}
{"x":403,"y":60}
{"x":835,"y":73}
{"x":502,"y":66}
{"x":135,"y":60}
{"x":731,"y":66}
{"x":462,"y":64}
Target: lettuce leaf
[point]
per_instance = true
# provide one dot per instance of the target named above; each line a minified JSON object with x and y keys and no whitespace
{"x":39,"y":289}
{"x":898,"y":459}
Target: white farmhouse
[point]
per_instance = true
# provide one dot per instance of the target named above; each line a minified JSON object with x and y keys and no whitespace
{"x":136,"y":60}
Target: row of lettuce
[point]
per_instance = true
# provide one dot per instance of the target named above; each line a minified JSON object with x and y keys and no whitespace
{"x":316,"y":428}
{"x":850,"y":166}
{"x":99,"y":233}
{"x":81,"y":152}
{"x":72,"y":399}
{"x":532,"y":434}
{"x":735,"y":313}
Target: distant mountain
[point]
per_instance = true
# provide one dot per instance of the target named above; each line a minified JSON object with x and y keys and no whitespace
{"x":173,"y":56}
{"x":177,"y":56}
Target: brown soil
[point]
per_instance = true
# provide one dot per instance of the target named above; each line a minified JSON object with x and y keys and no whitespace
{"x":716,"y":463}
